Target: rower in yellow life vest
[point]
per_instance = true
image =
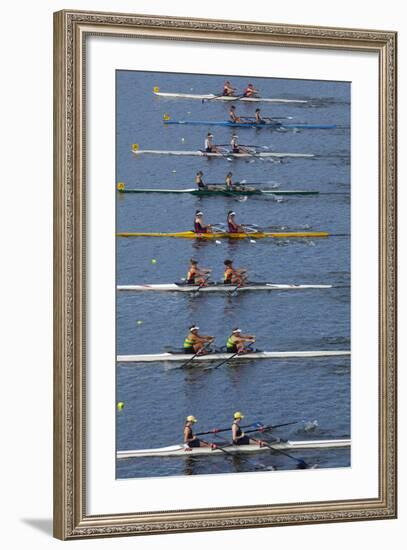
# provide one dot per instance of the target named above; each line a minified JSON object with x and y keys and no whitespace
{"x":236,"y":343}
{"x":196,"y":343}
{"x":197,"y":275}
{"x":190,"y":440}
{"x":234,"y":276}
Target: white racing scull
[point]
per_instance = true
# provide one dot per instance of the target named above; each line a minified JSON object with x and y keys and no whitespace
{"x":215,"y":356}
{"x":183,"y":451}
{"x":214,"y":97}
{"x":215,"y":287}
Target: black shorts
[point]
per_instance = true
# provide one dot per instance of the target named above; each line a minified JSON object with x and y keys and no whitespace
{"x":190,"y":282}
{"x":189,"y":350}
{"x":242,"y":441}
{"x":208,"y":150}
{"x":231,"y":350}
{"x":194,"y":443}
{"x":227,"y":282}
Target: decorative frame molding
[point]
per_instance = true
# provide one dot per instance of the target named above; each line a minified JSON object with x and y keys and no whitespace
{"x":70,"y":31}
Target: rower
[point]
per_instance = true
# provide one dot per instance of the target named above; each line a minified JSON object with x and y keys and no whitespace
{"x":259,"y":119}
{"x":234,"y":144}
{"x":194,"y":343}
{"x":199,"y":226}
{"x":232,"y":115}
{"x":196,"y":275}
{"x":233,"y":276}
{"x":199,"y":180}
{"x":228,"y":89}
{"x":190,"y":440}
{"x":250,"y":91}
{"x":238,"y":435}
{"x":229,"y":182}
{"x":209,"y":146}
{"x":236,"y":342}
{"x":233,"y":227}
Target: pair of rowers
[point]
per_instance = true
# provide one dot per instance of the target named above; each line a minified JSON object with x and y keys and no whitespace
{"x":196,"y":343}
{"x":235,"y":148}
{"x":229,"y":185}
{"x":229,"y":90}
{"x":233,"y":117}
{"x":200,"y":275}
{"x":238,"y":435}
{"x":232,"y":226}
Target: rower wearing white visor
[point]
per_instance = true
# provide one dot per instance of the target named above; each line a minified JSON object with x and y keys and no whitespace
{"x":234,"y":144}
{"x":236,"y":343}
{"x":199,"y":225}
{"x":190,"y":440}
{"x":209,"y":145}
{"x":233,"y":227}
{"x":196,"y":343}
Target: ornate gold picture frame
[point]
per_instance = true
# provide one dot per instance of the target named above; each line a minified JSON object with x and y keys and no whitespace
{"x":72,"y":29}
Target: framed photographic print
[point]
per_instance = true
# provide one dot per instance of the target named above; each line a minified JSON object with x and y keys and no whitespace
{"x":225,"y":267}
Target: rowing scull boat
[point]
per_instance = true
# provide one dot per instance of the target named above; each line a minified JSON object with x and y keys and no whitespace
{"x":214,"y":97}
{"x":216,"y":287}
{"x":220,"y":235}
{"x":181,"y":357}
{"x":215,"y":190}
{"x":271,"y":125}
{"x":181,"y":450}
{"x":245,"y":155}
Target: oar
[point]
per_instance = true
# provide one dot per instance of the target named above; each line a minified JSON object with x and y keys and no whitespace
{"x":301,"y":462}
{"x":259,"y":425}
{"x":244,"y":458}
{"x":193,"y":357}
{"x":214,"y":446}
{"x":225,"y":360}
{"x":203,"y":283}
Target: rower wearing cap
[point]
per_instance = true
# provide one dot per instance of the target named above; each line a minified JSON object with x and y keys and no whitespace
{"x":199,"y":225}
{"x":236,"y":342}
{"x":190,"y":440}
{"x":250,"y":91}
{"x":232,"y":115}
{"x":238,"y":435}
{"x":233,"y":227}
{"x":228,"y":89}
{"x":197,"y":275}
{"x":233,"y":276}
{"x":199,"y":181}
{"x":194,"y":343}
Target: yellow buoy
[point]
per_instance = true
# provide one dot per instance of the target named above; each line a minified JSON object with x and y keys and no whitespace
{"x":120,"y":405}
{"x":120,"y":186}
{"x":166,"y":116}
{"x":135,"y":146}
{"x":156,"y":89}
